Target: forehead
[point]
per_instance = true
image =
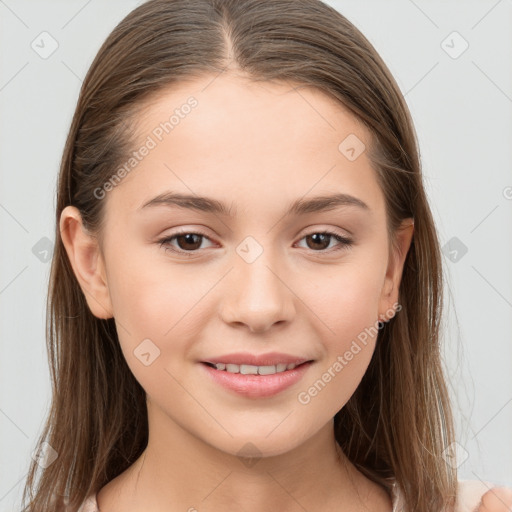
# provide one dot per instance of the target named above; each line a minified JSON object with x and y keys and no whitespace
{"x":232,"y":100}
{"x":248,"y":143}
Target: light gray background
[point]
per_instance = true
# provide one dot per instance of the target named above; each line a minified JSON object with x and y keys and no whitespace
{"x":462,"y":110}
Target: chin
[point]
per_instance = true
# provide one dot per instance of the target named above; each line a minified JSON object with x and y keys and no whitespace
{"x":254,"y":445}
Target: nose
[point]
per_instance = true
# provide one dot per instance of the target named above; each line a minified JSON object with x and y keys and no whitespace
{"x":257,"y":295}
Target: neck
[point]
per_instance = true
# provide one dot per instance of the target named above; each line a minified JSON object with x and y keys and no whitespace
{"x":178,"y":471}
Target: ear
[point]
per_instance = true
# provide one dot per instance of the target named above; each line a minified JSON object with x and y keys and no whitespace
{"x":397,"y":255}
{"x":87,"y":262}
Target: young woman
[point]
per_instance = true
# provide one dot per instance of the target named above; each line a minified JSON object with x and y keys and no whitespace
{"x":246,"y":291}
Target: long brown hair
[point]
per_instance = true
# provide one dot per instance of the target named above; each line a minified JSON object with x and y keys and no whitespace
{"x":398,"y":423}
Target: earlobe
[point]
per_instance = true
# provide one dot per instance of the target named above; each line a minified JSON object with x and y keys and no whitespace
{"x":398,"y":253}
{"x":87,"y":262}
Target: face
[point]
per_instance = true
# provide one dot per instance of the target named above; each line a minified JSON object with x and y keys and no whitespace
{"x":261,"y":276}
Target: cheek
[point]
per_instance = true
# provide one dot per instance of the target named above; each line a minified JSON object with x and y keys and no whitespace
{"x":150,"y":295}
{"x":151,"y":317}
{"x":160,"y":302}
{"x":348,"y":346}
{"x":345,"y":300}
{"x":346,"y":304}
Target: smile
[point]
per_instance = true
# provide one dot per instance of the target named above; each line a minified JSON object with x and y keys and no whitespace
{"x":249,"y":369}
{"x":256,"y":381}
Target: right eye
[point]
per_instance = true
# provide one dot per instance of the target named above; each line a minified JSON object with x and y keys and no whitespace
{"x":188,"y":242}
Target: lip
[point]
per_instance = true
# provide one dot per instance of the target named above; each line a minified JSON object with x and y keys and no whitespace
{"x":257,"y":386}
{"x":269,"y":359}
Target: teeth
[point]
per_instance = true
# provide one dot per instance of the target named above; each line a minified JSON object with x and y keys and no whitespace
{"x":267,"y":370}
{"x":249,"y":369}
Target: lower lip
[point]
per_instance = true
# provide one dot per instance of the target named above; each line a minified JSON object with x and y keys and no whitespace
{"x":257,"y":386}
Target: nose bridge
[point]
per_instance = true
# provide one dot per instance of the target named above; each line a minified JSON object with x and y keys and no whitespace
{"x":257,"y":295}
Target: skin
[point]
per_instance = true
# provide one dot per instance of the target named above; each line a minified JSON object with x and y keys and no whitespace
{"x":297,"y":297}
{"x":498,"y":499}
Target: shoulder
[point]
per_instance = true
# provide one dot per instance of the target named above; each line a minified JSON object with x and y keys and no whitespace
{"x":90,"y":504}
{"x":480,"y":496}
{"x":497,"y":499}
{"x":473,"y":496}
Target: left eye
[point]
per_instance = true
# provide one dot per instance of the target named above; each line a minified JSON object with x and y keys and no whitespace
{"x":319,"y":238}
{"x":190,"y":242}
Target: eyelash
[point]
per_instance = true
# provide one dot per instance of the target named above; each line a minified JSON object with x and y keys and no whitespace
{"x":345,"y":243}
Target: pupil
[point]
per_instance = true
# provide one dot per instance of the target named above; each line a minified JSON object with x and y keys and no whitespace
{"x":189,"y":239}
{"x":316,"y":240}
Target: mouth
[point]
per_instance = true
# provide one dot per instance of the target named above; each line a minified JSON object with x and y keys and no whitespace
{"x":256,"y":376}
{"x":249,"y":369}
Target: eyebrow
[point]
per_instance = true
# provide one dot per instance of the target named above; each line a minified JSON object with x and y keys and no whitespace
{"x":299,"y":207}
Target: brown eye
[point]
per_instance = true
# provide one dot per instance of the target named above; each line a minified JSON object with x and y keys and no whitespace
{"x":320,"y":241}
{"x":189,"y":241}
{"x":186,"y":241}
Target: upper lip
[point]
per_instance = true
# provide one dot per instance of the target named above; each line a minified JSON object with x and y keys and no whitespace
{"x":270,"y":359}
